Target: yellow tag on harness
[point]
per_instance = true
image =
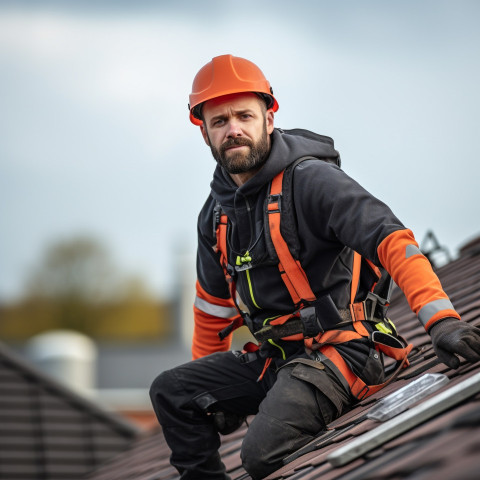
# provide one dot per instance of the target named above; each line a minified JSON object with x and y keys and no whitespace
{"x":381,"y":327}
{"x":384,"y":328}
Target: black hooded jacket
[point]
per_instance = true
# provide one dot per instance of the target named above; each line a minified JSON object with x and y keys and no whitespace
{"x":334,"y":215}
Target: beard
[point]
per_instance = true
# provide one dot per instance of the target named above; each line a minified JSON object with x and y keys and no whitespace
{"x":239,"y":162}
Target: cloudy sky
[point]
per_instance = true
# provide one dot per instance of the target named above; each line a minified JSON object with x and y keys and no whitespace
{"x":94,"y":130}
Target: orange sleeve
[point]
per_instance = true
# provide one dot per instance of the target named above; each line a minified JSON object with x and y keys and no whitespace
{"x":411,"y":271}
{"x":211,"y":314}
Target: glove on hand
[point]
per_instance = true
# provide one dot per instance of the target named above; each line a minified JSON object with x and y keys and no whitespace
{"x":451,"y":336}
{"x":227,"y":422}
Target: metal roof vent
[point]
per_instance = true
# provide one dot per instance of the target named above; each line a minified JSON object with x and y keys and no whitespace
{"x":68,"y":356}
{"x":437,"y":254}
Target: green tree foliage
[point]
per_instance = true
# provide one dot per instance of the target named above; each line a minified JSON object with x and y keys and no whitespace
{"x":77,"y":286}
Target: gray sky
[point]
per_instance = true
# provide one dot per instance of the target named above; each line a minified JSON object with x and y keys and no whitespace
{"x":94,"y":127}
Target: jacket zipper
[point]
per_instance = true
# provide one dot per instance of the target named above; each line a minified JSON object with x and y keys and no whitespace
{"x":248,"y":257}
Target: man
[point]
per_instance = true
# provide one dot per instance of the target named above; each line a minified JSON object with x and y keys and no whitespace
{"x":251,"y":270}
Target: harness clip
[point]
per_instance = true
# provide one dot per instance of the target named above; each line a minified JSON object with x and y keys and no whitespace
{"x":272,"y":200}
{"x":243,"y":262}
{"x":217,"y":214}
{"x":370,"y":305}
{"x":245,"y":266}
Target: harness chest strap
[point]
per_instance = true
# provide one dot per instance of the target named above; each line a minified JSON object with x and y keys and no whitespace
{"x":221,"y":246}
{"x":291,"y":271}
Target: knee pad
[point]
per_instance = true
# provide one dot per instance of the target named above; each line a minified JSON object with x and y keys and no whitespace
{"x":161,"y":385}
{"x":252,"y":458}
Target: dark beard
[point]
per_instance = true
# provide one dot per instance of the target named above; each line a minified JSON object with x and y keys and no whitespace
{"x":243,"y":162}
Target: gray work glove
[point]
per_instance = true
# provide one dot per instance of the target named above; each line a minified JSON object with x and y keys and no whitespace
{"x":451,"y":336}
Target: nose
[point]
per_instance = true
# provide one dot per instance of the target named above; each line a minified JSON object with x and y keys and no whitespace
{"x":233,"y":129}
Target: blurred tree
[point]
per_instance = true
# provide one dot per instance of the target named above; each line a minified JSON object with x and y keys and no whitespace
{"x":76,"y":286}
{"x":75,"y":276}
{"x":79,"y":267}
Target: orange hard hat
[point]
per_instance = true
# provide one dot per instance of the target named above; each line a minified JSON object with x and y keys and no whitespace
{"x":224,"y":75}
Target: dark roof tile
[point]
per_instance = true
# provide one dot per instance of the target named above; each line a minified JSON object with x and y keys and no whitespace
{"x":49,"y":432}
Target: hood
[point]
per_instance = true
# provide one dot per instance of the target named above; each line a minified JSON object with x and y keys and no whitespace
{"x":287,"y":146}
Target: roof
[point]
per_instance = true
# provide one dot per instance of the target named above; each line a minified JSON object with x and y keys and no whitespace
{"x":50,"y":432}
{"x":435,"y":438}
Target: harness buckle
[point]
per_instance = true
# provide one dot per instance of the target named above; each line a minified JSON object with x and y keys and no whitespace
{"x":370,"y":305}
{"x":310,"y":322}
{"x":230,"y":271}
{"x":217,"y":214}
{"x":272,"y":199}
{"x":363,"y":393}
{"x":248,"y":357}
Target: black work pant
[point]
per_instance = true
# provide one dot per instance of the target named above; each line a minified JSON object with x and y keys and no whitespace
{"x":290,"y":409}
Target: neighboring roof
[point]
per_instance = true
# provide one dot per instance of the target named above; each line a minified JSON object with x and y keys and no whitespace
{"x":446,"y":446}
{"x":49,"y":432}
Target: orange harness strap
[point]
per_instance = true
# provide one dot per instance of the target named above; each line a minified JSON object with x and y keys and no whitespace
{"x":357,"y":310}
{"x":358,"y":387}
{"x":291,"y":271}
{"x":357,"y":263}
{"x":221,"y":247}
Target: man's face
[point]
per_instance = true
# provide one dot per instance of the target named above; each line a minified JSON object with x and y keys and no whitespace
{"x":237,"y":128}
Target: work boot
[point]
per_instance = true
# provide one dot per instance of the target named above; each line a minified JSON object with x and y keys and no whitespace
{"x":212,"y":469}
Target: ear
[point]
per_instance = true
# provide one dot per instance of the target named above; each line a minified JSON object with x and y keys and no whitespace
{"x":204,"y":134}
{"x":269,"y":117}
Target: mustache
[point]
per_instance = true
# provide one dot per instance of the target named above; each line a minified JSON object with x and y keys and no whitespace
{"x":236,"y":142}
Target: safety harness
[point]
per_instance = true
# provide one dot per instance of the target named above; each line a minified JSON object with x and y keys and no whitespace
{"x":366,"y":317}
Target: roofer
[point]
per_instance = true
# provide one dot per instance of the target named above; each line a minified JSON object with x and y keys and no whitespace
{"x":276,"y":243}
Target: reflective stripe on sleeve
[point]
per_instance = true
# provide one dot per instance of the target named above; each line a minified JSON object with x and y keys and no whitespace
{"x":430,"y":309}
{"x":412,"y":250}
{"x":214,"y":310}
